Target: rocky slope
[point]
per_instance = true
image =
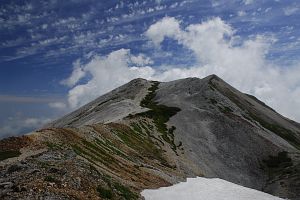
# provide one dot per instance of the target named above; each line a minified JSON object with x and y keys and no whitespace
{"x":147,"y":134}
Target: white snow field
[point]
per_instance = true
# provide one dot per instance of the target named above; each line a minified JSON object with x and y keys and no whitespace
{"x":206,"y":189}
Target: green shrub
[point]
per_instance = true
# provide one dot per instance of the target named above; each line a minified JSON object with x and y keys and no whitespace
{"x":160,"y":115}
{"x":8,"y":154}
{"x":125,"y":192}
{"x":104,"y":193}
{"x":281,"y":160}
{"x":213,"y":101}
{"x":225,"y":109}
{"x":50,"y":179}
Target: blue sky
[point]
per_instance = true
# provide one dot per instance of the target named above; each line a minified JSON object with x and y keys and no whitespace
{"x":55,"y":55}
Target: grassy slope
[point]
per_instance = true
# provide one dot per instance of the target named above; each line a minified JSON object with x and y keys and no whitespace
{"x":160,"y":114}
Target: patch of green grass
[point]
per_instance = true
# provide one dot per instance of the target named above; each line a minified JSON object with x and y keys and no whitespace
{"x":145,"y":127}
{"x":138,"y":143}
{"x":143,"y":145}
{"x":77,"y":150}
{"x":8,"y":154}
{"x":104,"y":193}
{"x":148,"y":100}
{"x":225,"y":109}
{"x":136,"y":127}
{"x":53,"y":146}
{"x":160,"y":115}
{"x":278,"y":166}
{"x":213,"y":101}
{"x":171,"y":137}
{"x":148,"y":128}
{"x":51,"y":179}
{"x":179,"y":145}
{"x":212,"y":88}
{"x":135,"y":136}
{"x":281,"y":160}
{"x":110,"y":147}
{"x":98,"y":152}
{"x":125,"y":192}
{"x":246,"y":117}
{"x":115,"y":190}
{"x":90,"y":154}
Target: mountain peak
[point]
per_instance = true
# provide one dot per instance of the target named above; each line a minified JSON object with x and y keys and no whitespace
{"x":138,"y":80}
{"x":148,"y":134}
{"x":212,"y":76}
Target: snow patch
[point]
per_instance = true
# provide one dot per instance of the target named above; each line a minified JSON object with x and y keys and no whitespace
{"x":206,"y":189}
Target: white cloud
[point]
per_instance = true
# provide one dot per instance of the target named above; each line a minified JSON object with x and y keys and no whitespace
{"x":76,"y":75}
{"x":170,"y":27}
{"x":215,"y":3}
{"x":248,"y":2}
{"x":19,"y":125}
{"x":57,"y":105}
{"x":31,"y":122}
{"x":244,"y":66}
{"x":241,"y":13}
{"x":141,"y":60}
{"x":268,"y":9}
{"x":44,"y":26}
{"x":174,"y":5}
{"x":215,"y":46}
{"x":290,"y":10}
{"x":107,"y":73}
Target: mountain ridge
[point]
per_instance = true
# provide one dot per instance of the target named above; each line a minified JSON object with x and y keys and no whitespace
{"x":148,"y":134}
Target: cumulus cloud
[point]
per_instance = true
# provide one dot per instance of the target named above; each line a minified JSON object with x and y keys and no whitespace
{"x":107,"y":72}
{"x":170,"y":27}
{"x":242,"y":64}
{"x":217,"y":49}
{"x":76,"y":75}
{"x":141,"y":60}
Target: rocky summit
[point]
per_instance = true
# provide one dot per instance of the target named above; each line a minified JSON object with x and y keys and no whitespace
{"x":148,"y":134}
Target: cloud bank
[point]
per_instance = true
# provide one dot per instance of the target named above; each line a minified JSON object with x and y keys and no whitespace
{"x":217,"y":49}
{"x":18,"y":124}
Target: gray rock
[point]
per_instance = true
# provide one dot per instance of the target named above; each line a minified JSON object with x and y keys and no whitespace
{"x":15,"y":167}
{"x":6,"y":184}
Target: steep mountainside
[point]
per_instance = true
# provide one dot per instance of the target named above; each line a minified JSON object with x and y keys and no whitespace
{"x":147,"y":134}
